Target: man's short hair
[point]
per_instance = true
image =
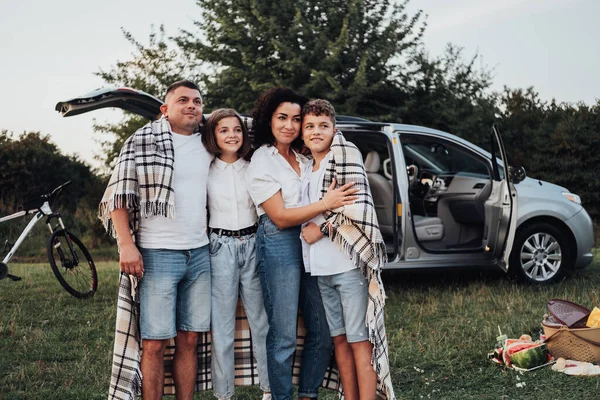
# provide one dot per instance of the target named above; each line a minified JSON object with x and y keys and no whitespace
{"x":185,"y":83}
{"x":319,"y":107}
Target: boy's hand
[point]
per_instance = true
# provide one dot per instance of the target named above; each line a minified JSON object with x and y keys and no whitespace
{"x":311,"y":233}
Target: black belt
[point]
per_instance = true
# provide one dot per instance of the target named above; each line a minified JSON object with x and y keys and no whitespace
{"x":242,"y":232}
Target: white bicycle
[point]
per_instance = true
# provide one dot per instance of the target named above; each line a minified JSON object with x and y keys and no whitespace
{"x":70,"y":260}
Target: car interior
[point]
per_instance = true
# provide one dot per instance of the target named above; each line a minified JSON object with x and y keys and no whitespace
{"x":448,"y":190}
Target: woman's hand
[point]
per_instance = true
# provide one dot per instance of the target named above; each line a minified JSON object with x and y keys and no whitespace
{"x":342,"y":196}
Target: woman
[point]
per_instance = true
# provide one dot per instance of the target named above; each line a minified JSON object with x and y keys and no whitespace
{"x":276,"y":182}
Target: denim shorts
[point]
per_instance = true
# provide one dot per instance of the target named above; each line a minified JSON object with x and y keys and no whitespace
{"x":345,"y":297}
{"x":174,"y":292}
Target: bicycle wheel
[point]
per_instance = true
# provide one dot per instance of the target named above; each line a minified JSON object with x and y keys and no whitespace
{"x":72,"y":264}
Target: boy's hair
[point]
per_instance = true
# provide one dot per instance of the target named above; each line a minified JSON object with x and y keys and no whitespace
{"x":209,"y":137}
{"x":263,"y":111}
{"x":185,"y":83}
{"x":319,"y":107}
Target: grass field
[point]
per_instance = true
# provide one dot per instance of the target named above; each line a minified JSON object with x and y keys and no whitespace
{"x":441,"y":326}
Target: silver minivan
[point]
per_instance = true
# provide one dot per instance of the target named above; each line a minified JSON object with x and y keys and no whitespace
{"x":442,"y":201}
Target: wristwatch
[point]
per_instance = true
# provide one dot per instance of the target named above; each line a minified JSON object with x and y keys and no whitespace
{"x":324,"y":228}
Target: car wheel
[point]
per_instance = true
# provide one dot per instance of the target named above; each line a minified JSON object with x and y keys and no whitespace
{"x":540,"y":254}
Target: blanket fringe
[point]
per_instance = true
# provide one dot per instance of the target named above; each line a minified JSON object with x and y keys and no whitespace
{"x":127,"y":201}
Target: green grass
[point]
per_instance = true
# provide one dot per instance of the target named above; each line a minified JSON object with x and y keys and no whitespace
{"x":440,"y":326}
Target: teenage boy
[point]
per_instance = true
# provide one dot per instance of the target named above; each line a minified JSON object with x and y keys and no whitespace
{"x":348,"y":261}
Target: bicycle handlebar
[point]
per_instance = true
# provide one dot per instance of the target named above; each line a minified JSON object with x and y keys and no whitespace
{"x":39,"y":201}
{"x":58,"y":190}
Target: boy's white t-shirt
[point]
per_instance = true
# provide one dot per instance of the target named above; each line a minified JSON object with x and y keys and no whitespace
{"x":188,"y":229}
{"x":323,"y":257}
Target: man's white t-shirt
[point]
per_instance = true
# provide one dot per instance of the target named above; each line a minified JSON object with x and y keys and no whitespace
{"x":188,"y":229}
{"x":323,"y":257}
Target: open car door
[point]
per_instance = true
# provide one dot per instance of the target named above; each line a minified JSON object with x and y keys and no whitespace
{"x":128,"y":99}
{"x":501,"y":206}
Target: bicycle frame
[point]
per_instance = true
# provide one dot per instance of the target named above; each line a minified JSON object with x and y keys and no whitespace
{"x":44,"y":210}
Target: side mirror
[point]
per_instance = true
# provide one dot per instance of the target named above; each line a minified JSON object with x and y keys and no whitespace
{"x":517,"y":174}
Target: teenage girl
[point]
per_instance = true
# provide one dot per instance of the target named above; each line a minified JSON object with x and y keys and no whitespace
{"x":232,"y":227}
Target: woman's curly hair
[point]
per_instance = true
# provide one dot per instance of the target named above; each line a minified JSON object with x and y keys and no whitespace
{"x":263,"y":110}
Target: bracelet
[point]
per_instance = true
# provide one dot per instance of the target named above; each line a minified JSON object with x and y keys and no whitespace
{"x":326,"y":205}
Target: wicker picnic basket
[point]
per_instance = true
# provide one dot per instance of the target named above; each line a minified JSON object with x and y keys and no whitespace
{"x":572,"y":340}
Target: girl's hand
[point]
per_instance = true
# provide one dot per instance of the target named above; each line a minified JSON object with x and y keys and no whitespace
{"x":311,"y":233}
{"x":342,"y":196}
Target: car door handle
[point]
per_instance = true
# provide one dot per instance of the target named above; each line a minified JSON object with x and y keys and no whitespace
{"x":479,"y":186}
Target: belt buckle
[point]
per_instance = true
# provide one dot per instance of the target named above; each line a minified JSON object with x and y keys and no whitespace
{"x":236,"y":234}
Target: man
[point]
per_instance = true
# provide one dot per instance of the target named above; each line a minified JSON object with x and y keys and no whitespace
{"x":155,"y":204}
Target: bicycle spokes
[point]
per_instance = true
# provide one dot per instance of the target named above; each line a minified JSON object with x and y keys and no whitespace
{"x":64,"y":253}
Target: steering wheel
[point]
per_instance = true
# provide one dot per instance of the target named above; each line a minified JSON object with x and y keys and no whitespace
{"x":423,"y":183}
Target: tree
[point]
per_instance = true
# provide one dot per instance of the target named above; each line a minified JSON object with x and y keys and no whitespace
{"x":152,"y":69}
{"x":350,"y":52}
{"x":450,"y":94}
{"x":345,"y":51}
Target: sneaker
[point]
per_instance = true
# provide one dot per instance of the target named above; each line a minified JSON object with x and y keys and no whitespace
{"x":266,"y":396}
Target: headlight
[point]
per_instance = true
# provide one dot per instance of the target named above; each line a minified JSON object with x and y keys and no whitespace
{"x":572,"y":197}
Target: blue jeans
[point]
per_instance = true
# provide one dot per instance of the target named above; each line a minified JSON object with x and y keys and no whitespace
{"x":286,"y":286}
{"x":174,"y":292}
{"x":233,"y":270}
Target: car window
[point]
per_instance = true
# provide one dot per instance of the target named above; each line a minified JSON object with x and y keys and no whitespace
{"x":441,"y":157}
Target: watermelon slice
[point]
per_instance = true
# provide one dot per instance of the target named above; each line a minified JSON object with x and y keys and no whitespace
{"x":509,"y":343}
{"x":527,"y":355}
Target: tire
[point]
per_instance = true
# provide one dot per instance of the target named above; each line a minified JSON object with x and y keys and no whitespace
{"x":3,"y":271}
{"x":75,"y":270}
{"x":540,"y":254}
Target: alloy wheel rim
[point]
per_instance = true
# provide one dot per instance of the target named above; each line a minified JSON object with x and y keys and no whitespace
{"x":541,"y":256}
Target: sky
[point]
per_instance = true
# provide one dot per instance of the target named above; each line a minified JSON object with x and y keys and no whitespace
{"x":51,"y":50}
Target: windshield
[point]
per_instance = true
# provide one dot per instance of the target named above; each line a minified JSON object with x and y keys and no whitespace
{"x":442,"y":158}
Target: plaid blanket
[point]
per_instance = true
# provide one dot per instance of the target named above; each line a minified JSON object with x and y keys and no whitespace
{"x":126,"y":378}
{"x":141,"y":181}
{"x":356,"y":231}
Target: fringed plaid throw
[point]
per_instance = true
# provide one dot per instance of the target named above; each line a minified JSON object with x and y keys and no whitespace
{"x":141,"y":181}
{"x":356,"y":231}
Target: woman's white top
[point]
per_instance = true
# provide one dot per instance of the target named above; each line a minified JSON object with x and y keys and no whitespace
{"x":229,"y":203}
{"x":188,"y":229}
{"x":269,"y":172}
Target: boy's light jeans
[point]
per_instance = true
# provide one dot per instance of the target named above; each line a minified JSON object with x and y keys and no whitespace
{"x":233,"y":271}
